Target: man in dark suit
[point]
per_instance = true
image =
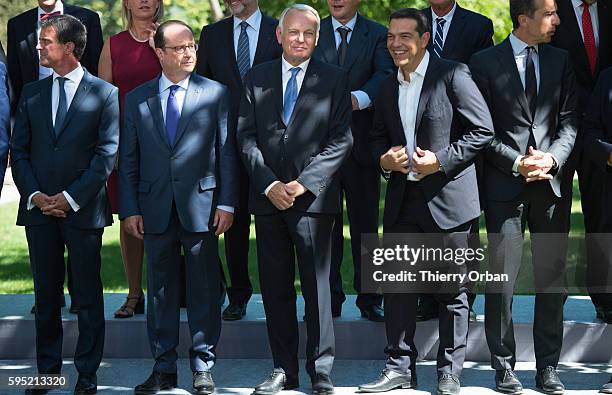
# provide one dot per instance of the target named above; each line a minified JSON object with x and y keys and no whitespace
{"x":294,"y":134}
{"x":228,"y":49}
{"x":356,"y":44}
{"x":530,"y":89}
{"x":457,"y":35}
{"x":178,"y":183}
{"x":63,"y":149}
{"x":586,"y":33}
{"x":22,"y":36}
{"x":430,"y":123}
{"x":5,"y":118}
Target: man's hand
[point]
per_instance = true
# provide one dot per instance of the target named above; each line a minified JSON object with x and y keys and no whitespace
{"x":354,"y":102}
{"x":280,"y":197}
{"x":535,"y":165}
{"x":152,"y":29}
{"x":295,"y":189}
{"x":223,"y":221}
{"x":424,"y":163}
{"x":59,"y":207}
{"x":46,"y":204}
{"x":395,"y":159}
{"x":134,"y":225}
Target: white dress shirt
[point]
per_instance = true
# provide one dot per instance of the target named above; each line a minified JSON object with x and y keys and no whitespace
{"x":519,"y":49}
{"x":43,"y":71}
{"x":252,"y":31}
{"x":363,"y":100}
{"x":579,"y":10}
{"x":408,"y":102}
{"x":448,"y":18}
{"x":286,"y":75}
{"x":164,"y":92}
{"x":73,"y":79}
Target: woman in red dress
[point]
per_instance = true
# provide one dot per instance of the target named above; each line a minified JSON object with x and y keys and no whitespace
{"x":127,"y":61}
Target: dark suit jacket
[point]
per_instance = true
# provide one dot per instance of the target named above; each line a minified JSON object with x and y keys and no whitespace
{"x":554,"y":125}
{"x":568,"y":37}
{"x":5,"y":121}
{"x":2,"y":55}
{"x":468,"y":33}
{"x":79,"y":160}
{"x":367,"y":64}
{"x":452,"y":121}
{"x":22,"y":41}
{"x":311,"y":148}
{"x":196,"y":174}
{"x":598,"y":122}
{"x":217,"y":58}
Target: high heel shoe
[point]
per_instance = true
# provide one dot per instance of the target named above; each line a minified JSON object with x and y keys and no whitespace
{"x":129,"y":308}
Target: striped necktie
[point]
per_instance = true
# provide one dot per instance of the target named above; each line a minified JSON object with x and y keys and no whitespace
{"x":438,"y":43}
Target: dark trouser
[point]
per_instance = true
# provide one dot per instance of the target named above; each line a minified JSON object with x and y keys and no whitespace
{"x":203,"y":291}
{"x":278,"y":235}
{"x":361,"y":186}
{"x":237,"y":246}
{"x":539,"y":208}
{"x":400,"y":309}
{"x":46,"y":246}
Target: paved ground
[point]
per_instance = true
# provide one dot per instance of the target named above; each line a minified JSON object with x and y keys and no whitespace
{"x":238,"y":377}
{"x":9,"y":190}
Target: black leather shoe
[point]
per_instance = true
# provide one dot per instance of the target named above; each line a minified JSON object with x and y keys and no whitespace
{"x":156,"y":382}
{"x":389,"y":380}
{"x":36,"y":391}
{"x":373,"y":313}
{"x":235,"y":311}
{"x":507,"y":382}
{"x":548,"y":381}
{"x":448,"y":384}
{"x":203,"y":383}
{"x":427,"y":309}
{"x":277,"y":382}
{"x":322,"y":385}
{"x":607,"y":388}
{"x":87,"y":383}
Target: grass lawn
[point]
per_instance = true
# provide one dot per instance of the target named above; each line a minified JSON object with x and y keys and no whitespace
{"x":15,"y":275}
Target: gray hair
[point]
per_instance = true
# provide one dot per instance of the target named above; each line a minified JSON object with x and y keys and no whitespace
{"x":301,"y":8}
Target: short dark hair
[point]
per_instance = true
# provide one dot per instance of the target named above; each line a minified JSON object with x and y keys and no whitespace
{"x":423,"y":25}
{"x":159,"y":40}
{"x":68,"y":29}
{"x":521,"y":7}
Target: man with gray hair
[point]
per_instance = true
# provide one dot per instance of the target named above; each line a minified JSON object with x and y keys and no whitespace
{"x":293,"y":136}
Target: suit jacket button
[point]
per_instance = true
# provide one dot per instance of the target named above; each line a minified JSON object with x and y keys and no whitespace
{"x":285,"y":137}
{"x":55,"y":149}
{"x":535,"y":126}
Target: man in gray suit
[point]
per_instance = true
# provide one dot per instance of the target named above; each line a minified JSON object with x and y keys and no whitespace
{"x":178,"y":189}
{"x":63,"y":150}
{"x":529,"y":87}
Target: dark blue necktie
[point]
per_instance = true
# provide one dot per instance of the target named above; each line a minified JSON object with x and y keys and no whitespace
{"x":172,"y":115}
{"x":62,"y":106}
{"x":243,"y":58}
{"x":291,"y":93}
{"x":438,"y":43}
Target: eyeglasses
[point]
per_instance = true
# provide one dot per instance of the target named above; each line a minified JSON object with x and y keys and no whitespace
{"x":180,"y":49}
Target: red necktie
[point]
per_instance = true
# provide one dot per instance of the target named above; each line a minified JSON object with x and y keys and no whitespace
{"x":589,"y":37}
{"x":46,"y":16}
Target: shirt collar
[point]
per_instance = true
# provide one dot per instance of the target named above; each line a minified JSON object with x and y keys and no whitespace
{"x":578,"y":3}
{"x":518,"y":45}
{"x":420,"y":70}
{"x":165,"y":83}
{"x":75,"y":75}
{"x":59,"y":6}
{"x":254,"y":20}
{"x":350,"y":24}
{"x":446,"y":17}
{"x":286,"y":66}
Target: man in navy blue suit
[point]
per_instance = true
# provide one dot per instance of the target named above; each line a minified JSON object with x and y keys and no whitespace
{"x":5,"y":110}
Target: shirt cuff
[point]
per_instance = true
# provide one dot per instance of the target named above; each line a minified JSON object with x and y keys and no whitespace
{"x":73,"y":205}
{"x":30,"y":205}
{"x":270,"y":187}
{"x":516,"y":164}
{"x":362,"y":99}
{"x":227,"y":209}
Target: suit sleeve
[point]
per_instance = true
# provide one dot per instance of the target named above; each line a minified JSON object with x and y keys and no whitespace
{"x":129,"y":164}
{"x":380,"y":142}
{"x":86,"y":187}
{"x":94,"y":43}
{"x":567,"y":121}
{"x":14,"y":70}
{"x":260,"y":174}
{"x":228,"y":161}
{"x":469,"y":103}
{"x":383,"y":66}
{"x":596,"y":145}
{"x":336,"y":149}
{"x":23,"y":174}
{"x":486,"y":36}
{"x":202,"y":65}
{"x":5,"y":109}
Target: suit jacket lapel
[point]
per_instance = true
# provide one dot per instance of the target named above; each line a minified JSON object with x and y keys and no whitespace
{"x":192,"y":96}
{"x":358,"y":38}
{"x":430,"y":79}
{"x":395,"y":114}
{"x":545,"y":82}
{"x":267,"y":35}
{"x":508,"y":63}
{"x":45,"y":102}
{"x":603,"y":15}
{"x":455,"y":30}
{"x":309,"y":85}
{"x":31,"y":38}
{"x":154,"y":104}
{"x":567,"y":9}
{"x":327,"y":42}
{"x":229,"y":47}
{"x":276,"y":79}
{"x":77,"y":100}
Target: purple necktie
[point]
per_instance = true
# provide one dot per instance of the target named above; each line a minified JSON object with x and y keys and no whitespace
{"x":172,"y":115}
